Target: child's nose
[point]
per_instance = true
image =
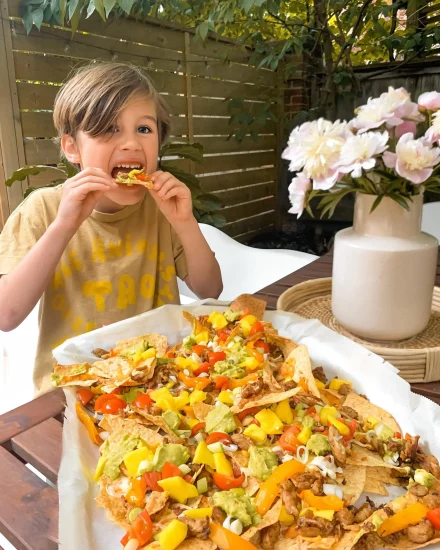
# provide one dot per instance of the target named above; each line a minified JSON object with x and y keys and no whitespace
{"x":131,"y":142}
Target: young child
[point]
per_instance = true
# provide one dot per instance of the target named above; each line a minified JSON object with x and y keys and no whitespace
{"x":96,"y":252}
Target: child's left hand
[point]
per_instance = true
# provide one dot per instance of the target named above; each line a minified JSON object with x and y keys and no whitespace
{"x":172,"y":197}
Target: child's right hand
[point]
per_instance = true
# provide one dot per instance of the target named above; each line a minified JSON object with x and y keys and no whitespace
{"x":80,"y":195}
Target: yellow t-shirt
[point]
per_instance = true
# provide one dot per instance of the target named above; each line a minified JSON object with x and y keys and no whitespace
{"x":116,"y":266}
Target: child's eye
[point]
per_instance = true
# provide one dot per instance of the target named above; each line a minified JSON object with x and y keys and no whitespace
{"x":144,"y":130}
{"x":111,"y":130}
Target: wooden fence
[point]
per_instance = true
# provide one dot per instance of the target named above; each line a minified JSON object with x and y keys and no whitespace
{"x":194,"y":78}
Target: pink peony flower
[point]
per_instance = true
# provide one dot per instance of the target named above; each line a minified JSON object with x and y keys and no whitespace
{"x":297,"y":193}
{"x":429,"y":101}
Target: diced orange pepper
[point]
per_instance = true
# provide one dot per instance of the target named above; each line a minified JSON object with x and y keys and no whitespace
{"x":189,"y":412}
{"x":291,"y":533}
{"x":239,"y":382}
{"x":136,"y":495}
{"x":331,"y":502}
{"x":411,"y":515}
{"x":270,"y":488}
{"x":254,"y":353}
{"x":197,"y":383}
{"x":227,"y":540}
{"x":88,"y":423}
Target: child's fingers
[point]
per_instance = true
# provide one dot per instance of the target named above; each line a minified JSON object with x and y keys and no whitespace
{"x":167,"y":185}
{"x":161,"y":179}
{"x":81,"y":191}
{"x":93,"y":179}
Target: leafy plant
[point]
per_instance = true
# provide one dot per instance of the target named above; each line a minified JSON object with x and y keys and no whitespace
{"x":206,"y":206}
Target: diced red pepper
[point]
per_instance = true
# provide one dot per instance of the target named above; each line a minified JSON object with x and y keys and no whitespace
{"x":218,"y":436}
{"x":143,"y":528}
{"x":227,"y":482}
{"x":253,"y":410}
{"x":198,"y":349}
{"x":196,"y":429}
{"x":255,"y":328}
{"x":289,"y":441}
{"x":221,"y":382}
{"x":434,"y":517}
{"x":84,"y":395}
{"x":204,"y":367}
{"x":151,"y":479}
{"x":215,"y":356}
{"x":223,"y":335}
{"x":260,"y":344}
{"x":170,"y":470}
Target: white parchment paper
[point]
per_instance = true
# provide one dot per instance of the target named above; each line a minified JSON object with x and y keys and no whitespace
{"x":84,"y":525}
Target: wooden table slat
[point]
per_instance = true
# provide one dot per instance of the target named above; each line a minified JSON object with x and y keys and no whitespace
{"x":21,"y":419}
{"x":40,"y":447}
{"x":28,"y":507}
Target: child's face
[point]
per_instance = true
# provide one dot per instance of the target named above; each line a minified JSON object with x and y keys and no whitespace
{"x":133,"y":141}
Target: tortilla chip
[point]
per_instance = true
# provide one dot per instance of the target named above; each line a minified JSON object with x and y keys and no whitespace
{"x":156,"y":501}
{"x":160,"y":423}
{"x":354,"y":477}
{"x":270,"y":518}
{"x":198,"y":324}
{"x":252,"y":486}
{"x":377,"y":478}
{"x":196,"y":544}
{"x":114,"y":368}
{"x":303,"y":368}
{"x":255,"y":306}
{"x":157,"y":341}
{"x":365,"y":408}
{"x":284,"y":344}
{"x":330,"y":397}
{"x":73,"y":375}
{"x":268,"y":399}
{"x":361,"y":456}
{"x":348,"y":539}
{"x":201,"y":410}
{"x":406,"y":544}
{"x":269,"y":380}
{"x":117,"y":508}
{"x":122,"y":426}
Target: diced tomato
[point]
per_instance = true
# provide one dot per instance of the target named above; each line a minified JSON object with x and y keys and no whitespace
{"x":204,"y":367}
{"x":196,"y":429}
{"x":116,"y":391}
{"x":151,"y":479}
{"x":127,"y":537}
{"x":143,"y":528}
{"x":289,"y":441}
{"x":227,"y":482}
{"x":434,"y":517}
{"x":84,"y":395}
{"x":260,"y":344}
{"x":187,"y":478}
{"x":143,"y":177}
{"x":253,"y":410}
{"x":198,"y":349}
{"x":170,"y":470}
{"x":221,"y":382}
{"x":215,"y":356}
{"x":109,"y":404}
{"x":256,"y":327}
{"x":218,"y":436}
{"x":397,"y":435}
{"x":310,"y":410}
{"x":142,"y":401}
{"x":223,"y":335}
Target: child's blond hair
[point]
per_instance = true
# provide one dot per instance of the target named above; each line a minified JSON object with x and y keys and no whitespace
{"x":92,"y":99}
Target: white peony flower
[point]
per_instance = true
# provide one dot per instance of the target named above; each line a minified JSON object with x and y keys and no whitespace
{"x":414,"y":159}
{"x":391,"y":108}
{"x":297,"y":193}
{"x":433,"y":133}
{"x":314,"y":147}
{"x":358,"y":152}
{"x":429,"y":101}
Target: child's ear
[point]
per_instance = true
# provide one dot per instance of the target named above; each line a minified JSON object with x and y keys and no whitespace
{"x":70,"y":149}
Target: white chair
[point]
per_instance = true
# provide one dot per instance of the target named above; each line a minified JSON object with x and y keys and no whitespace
{"x":245,"y":269}
{"x":431,"y":219}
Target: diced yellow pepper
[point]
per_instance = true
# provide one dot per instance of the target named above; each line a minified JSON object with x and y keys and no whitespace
{"x":222,"y":464}
{"x":203,"y":455}
{"x":255,"y":433}
{"x":325,"y":514}
{"x":226,"y":397}
{"x":372,"y":422}
{"x":202,"y":337}
{"x":192,"y":422}
{"x":304,"y":435}
{"x":134,"y":458}
{"x":197,"y":396}
{"x":217,"y":320}
{"x":325,"y":412}
{"x":97,"y":390}
{"x":284,"y":412}
{"x":100,"y":467}
{"x":285,"y":518}
{"x":186,"y":363}
{"x":200,"y":513}
{"x":250,"y":363}
{"x":340,"y":426}
{"x":173,"y":534}
{"x":178,"y":488}
{"x":165,"y":401}
{"x":320,"y":385}
{"x":246,"y":323}
{"x":269,"y":422}
{"x":336,"y":384}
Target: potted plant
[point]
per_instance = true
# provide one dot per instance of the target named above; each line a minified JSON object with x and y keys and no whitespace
{"x":388,"y":155}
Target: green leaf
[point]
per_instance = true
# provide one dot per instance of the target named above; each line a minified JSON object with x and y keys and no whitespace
{"x":126,"y":5}
{"x":217,"y":220}
{"x":400,"y":200}
{"x":99,"y":5}
{"x":188,"y":179}
{"x":28,"y":22}
{"x":376,"y":203}
{"x":90,"y":9}
{"x":109,"y":5}
{"x":193,"y":151}
{"x":63,"y":7}
{"x":202,"y":29}
{"x":22,"y":173}
{"x":247,"y":5}
{"x":73,"y":5}
{"x":37,"y":17}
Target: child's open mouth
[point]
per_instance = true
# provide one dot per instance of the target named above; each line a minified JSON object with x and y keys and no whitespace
{"x":125,"y":169}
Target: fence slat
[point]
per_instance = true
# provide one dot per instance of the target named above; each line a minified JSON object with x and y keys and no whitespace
{"x":229,"y":181}
{"x":222,"y":163}
{"x":259,"y":222}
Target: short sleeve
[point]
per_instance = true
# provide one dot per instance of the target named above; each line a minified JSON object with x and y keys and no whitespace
{"x":179,"y":256}
{"x":22,"y":230}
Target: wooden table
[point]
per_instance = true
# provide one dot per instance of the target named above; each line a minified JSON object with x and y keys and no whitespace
{"x":32,"y":434}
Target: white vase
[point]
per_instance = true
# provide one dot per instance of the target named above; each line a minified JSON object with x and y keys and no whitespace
{"x":384,"y":271}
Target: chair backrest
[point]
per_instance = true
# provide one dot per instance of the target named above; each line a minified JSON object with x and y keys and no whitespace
{"x":431,"y":219}
{"x":246,"y":269}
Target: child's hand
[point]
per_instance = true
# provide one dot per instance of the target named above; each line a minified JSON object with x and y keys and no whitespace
{"x":80,"y":195}
{"x":172,"y":197}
